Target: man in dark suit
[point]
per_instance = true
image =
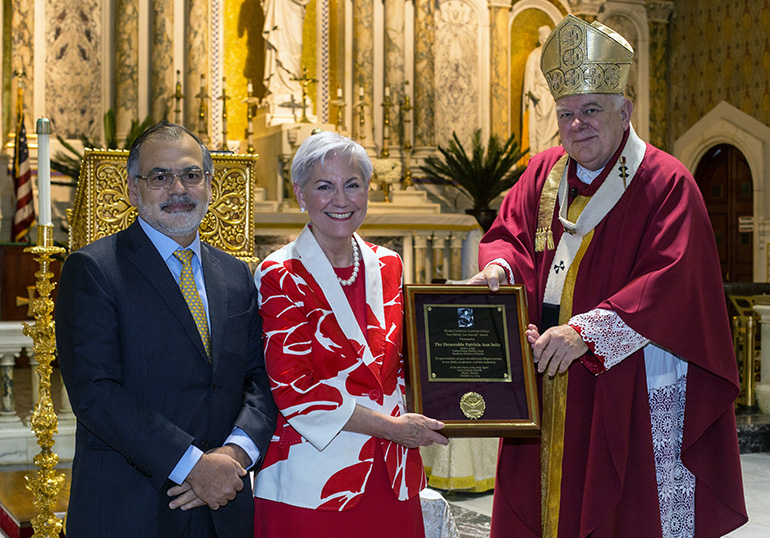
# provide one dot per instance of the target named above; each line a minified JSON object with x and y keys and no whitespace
{"x":162,"y":359}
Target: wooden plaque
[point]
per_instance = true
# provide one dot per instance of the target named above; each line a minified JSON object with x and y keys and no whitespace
{"x":469,"y":363}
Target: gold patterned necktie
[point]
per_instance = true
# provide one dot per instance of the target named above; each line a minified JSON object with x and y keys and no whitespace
{"x":190,"y":292}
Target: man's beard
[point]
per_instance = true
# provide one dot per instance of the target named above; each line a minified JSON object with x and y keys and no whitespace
{"x":173,"y":224}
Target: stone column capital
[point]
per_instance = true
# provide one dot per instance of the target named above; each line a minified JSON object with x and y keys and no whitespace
{"x":499,"y":4}
{"x":588,"y":9}
{"x":659,"y":10}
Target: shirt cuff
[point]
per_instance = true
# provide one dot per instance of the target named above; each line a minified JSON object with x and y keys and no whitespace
{"x":185,"y":465}
{"x":242,"y":439}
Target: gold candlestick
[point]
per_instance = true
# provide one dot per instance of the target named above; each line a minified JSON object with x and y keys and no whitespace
{"x":178,"y":96}
{"x":386,"y":104}
{"x":203,"y":132}
{"x":304,"y":80}
{"x":340,"y":104}
{"x":224,"y":98}
{"x":360,"y":106}
{"x":46,"y":484}
{"x":406,"y":108}
{"x":251,"y":102}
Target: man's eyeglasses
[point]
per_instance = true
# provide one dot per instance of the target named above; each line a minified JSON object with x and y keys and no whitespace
{"x":163,"y":180}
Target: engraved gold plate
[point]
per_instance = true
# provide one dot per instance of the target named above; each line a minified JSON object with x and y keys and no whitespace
{"x":473,"y":405}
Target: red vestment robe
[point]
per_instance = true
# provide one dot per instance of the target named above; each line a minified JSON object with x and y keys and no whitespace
{"x":653,"y":261}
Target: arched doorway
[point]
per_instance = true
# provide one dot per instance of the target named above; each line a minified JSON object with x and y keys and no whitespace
{"x":724,"y":178}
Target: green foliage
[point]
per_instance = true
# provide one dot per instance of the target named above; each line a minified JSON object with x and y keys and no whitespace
{"x":69,"y":163}
{"x":485,"y":174}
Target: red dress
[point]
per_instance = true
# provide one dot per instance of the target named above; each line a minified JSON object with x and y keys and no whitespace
{"x":354,"y":482}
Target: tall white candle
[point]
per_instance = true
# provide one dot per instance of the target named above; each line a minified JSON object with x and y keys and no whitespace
{"x":43,"y":129}
{"x":387,"y":91}
{"x":250,"y":88}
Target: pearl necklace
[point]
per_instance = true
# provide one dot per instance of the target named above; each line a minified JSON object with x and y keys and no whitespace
{"x":356,"y":264}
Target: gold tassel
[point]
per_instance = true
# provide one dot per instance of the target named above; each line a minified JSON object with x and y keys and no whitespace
{"x":544,"y":239}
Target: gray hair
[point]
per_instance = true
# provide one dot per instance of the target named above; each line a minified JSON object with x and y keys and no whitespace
{"x":165,"y":131}
{"x":327,"y":144}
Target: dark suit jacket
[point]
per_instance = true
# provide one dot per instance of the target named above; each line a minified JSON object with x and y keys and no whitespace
{"x":142,"y":389}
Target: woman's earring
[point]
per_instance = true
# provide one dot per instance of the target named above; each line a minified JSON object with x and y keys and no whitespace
{"x":301,"y":209}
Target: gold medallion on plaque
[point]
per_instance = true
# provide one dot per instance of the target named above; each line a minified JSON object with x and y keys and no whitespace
{"x":473,"y":405}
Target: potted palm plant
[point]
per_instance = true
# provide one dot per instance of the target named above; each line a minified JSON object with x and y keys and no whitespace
{"x":483,"y":175}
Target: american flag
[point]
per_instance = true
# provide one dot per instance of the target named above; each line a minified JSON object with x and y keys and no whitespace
{"x":22,"y":181}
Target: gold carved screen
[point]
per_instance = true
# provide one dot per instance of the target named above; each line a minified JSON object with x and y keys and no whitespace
{"x":101,"y":205}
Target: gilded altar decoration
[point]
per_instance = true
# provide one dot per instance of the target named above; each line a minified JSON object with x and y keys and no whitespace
{"x":101,"y":206}
{"x":473,"y":405}
{"x":46,"y":484}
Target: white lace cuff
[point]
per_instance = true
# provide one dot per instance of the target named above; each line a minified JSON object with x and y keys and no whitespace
{"x":506,"y":267}
{"x":608,"y":336}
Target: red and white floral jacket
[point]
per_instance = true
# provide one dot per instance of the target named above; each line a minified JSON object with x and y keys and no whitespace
{"x":320,"y":366}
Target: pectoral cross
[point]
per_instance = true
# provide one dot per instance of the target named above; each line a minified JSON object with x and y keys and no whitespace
{"x":623,"y":171}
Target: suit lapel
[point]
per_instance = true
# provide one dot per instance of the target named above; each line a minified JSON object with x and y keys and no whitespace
{"x":216,"y":291}
{"x":142,"y":254}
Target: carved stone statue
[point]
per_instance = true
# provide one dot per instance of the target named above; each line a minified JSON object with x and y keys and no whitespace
{"x":283,"y":55}
{"x":537,"y":99}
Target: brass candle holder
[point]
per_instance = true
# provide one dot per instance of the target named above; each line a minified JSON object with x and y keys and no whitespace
{"x":361,"y":107}
{"x":203,"y":132}
{"x":304,"y":80}
{"x":406,"y":108}
{"x":386,"y":105}
{"x":46,"y":484}
{"x":224,"y":98}
{"x":340,"y":104}
{"x":251,"y":103}
{"x":178,"y":96}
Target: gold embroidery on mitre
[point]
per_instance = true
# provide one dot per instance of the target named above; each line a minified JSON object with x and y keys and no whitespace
{"x":580,"y":58}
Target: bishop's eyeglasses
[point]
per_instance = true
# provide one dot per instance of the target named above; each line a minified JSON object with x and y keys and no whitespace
{"x":163,"y":180}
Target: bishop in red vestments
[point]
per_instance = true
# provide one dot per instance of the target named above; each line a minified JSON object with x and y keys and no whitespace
{"x":611,"y":238}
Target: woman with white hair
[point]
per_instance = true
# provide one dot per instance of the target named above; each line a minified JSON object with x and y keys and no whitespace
{"x":344,"y":459}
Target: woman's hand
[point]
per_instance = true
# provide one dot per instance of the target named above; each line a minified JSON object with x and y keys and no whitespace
{"x":410,"y":430}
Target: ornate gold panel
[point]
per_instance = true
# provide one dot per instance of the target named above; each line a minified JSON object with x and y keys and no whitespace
{"x":101,"y":205}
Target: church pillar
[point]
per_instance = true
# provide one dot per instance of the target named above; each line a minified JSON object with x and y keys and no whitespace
{"x":126,"y":65}
{"x":161,"y":59}
{"x":424,"y":91}
{"x":659,"y":13}
{"x":394,"y":64}
{"x":499,"y":81}
{"x":363,"y":69}
{"x":197,"y":62}
{"x":23,"y":57}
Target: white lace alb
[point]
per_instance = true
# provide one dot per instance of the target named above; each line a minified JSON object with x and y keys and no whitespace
{"x":610,"y":338}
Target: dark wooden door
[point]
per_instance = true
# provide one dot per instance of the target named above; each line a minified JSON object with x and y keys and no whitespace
{"x":724,"y":178}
